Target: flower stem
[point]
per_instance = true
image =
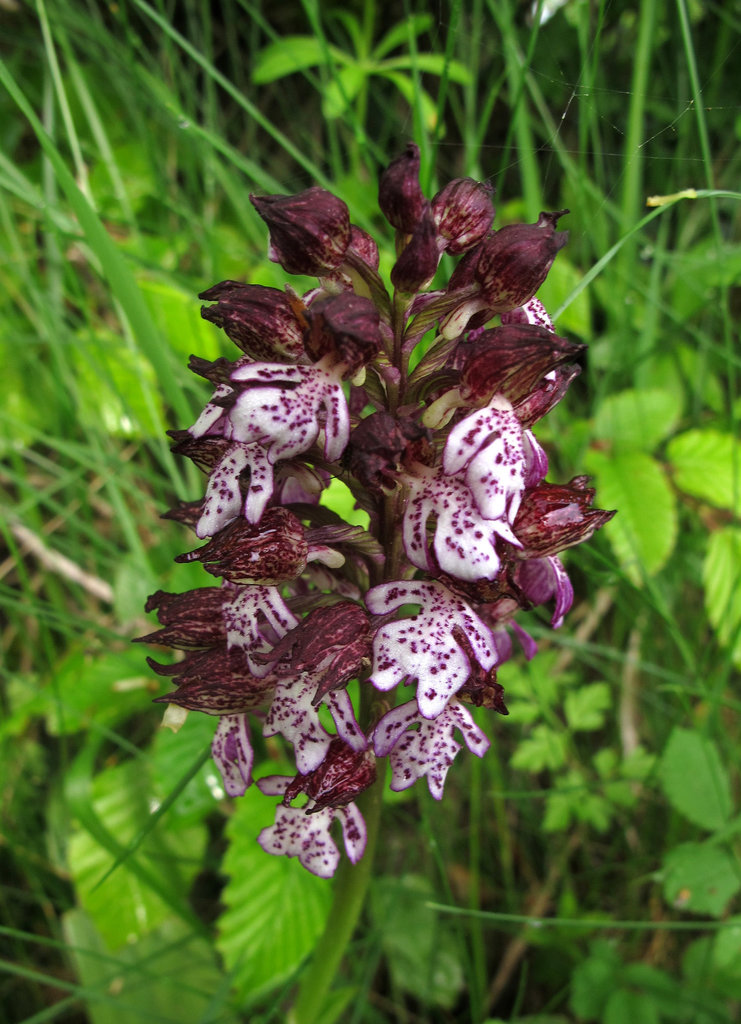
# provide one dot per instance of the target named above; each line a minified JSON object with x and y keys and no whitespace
{"x":350,"y":889}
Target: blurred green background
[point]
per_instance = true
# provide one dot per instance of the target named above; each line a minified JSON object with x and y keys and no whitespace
{"x":132,"y":133}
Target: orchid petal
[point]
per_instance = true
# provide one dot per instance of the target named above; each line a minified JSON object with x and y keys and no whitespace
{"x":285,"y":407}
{"x":241,"y":613}
{"x":488,"y":444}
{"x":232,"y":751}
{"x":422,"y":646}
{"x":306,"y":836}
{"x":429,"y":749}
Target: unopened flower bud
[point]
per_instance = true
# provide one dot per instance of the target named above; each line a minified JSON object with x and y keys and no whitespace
{"x":345,"y":326}
{"x":260,"y":320}
{"x":463,"y":212}
{"x":309,"y":232}
{"x":511,"y":361}
{"x":552,"y":518}
{"x":271,"y":552}
{"x":418,"y":261}
{"x":343,"y":775}
{"x":399,"y":194}
{"x":364,"y":245}
{"x":377,"y":446}
{"x":514,"y":262}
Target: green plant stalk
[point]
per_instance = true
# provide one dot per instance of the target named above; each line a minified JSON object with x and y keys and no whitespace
{"x":350,"y":890}
{"x":478,"y":945}
{"x":633,"y":152}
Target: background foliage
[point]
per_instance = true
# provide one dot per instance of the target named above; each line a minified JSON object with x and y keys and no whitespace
{"x":587,"y":869}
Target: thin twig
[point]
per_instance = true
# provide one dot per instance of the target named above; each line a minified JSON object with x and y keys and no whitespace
{"x":60,"y":564}
{"x":518,"y":946}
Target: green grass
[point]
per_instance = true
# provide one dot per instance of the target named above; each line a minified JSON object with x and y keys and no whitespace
{"x":132,"y":135}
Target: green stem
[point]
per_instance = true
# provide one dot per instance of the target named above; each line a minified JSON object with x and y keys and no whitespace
{"x":350,"y":889}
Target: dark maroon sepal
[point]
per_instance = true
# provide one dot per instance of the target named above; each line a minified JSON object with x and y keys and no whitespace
{"x":260,"y":320}
{"x":511,"y":360}
{"x":216,"y":682}
{"x":417,"y":264}
{"x":309,"y":231}
{"x":514,"y":261}
{"x":553,"y":517}
{"x":340,"y":778}
{"x":399,"y":194}
{"x":345,"y":326}
{"x":463,"y":212}
{"x":271,"y":552}
{"x":190,"y":620}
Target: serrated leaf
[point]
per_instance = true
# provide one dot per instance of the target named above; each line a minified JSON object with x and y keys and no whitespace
{"x":545,"y":748}
{"x":586,"y":706}
{"x":700,"y":877}
{"x":275,"y":909}
{"x":643,"y":532}
{"x":129,"y":903}
{"x":288,"y":55}
{"x":721,"y":576}
{"x":173,"y":755}
{"x":637,"y":419}
{"x":694,"y":780}
{"x":707,"y":465}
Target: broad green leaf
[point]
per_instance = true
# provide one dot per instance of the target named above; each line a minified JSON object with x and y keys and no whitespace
{"x":644,"y":531}
{"x":637,"y":419}
{"x":178,"y":314}
{"x":721,"y":576}
{"x":429,"y":63}
{"x":562,"y":280}
{"x":119,"y":390}
{"x":400,"y":34}
{"x":707,"y":465}
{"x":102,"y":689}
{"x":419,"y":948}
{"x":727,"y":948}
{"x":125,"y":907}
{"x":166,"y":977}
{"x":585,"y":707}
{"x":700,"y":877}
{"x":173,"y":754}
{"x":594,"y":980}
{"x":626,"y":1006}
{"x":290,"y":54}
{"x":700,"y":270}
{"x":544,"y":748}
{"x":694,"y":779}
{"x":275,"y":909}
{"x":413,"y":96}
{"x":342,"y":90}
